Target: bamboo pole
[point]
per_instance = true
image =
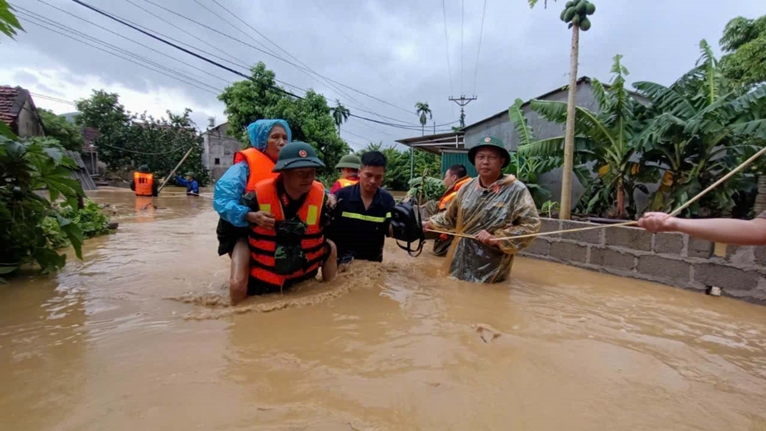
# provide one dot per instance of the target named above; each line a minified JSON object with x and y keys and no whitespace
{"x":675,"y":212}
{"x":175,"y":169}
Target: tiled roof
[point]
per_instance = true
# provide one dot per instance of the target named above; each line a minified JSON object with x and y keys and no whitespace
{"x":8,"y":96}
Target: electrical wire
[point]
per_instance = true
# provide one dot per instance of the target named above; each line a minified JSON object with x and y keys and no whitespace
{"x":462,"y":57}
{"x":276,"y":88}
{"x":481,"y":33}
{"x":235,"y":62}
{"x":267,"y":53}
{"x":131,"y":40}
{"x":41,"y":24}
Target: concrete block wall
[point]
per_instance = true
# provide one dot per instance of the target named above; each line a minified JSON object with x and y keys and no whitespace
{"x":669,"y":258}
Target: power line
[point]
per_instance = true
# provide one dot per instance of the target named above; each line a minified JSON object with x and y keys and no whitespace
{"x":41,"y":23}
{"x":134,"y":41}
{"x":268,"y":53}
{"x":481,"y":32}
{"x":307,"y":67}
{"x":446,"y":39}
{"x":187,"y":79}
{"x":235,"y":62}
{"x":53,"y":99}
{"x":462,"y":57}
{"x":401,"y":126}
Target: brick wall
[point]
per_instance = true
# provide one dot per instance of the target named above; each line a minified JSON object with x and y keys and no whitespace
{"x":669,"y":258}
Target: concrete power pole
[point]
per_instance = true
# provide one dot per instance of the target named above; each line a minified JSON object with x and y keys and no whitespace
{"x":462,"y":101}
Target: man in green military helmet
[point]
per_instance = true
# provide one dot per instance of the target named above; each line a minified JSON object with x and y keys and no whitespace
{"x":289,"y":215}
{"x":349,"y":166}
{"x":490,"y":207}
{"x":192,"y":188}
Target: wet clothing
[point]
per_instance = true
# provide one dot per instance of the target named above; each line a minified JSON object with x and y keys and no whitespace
{"x":344,"y":182}
{"x":290,"y":209}
{"x":296,"y":247}
{"x":143,"y":184}
{"x":192,"y":188}
{"x":358,"y":231}
{"x":229,"y":189}
{"x":504,"y":208}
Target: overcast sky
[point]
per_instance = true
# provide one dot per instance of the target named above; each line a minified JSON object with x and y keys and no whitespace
{"x":393,"y":50}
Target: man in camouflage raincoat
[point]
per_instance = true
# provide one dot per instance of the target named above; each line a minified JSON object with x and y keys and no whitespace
{"x":491,"y":206}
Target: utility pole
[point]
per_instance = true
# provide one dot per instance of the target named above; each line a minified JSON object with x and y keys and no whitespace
{"x":462,"y":101}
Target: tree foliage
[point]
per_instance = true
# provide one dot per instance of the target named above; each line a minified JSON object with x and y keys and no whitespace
{"x":698,"y":126}
{"x":127,"y":140}
{"x":744,"y":42}
{"x":25,"y":168}
{"x":340,"y":114}
{"x":310,"y":118}
{"x":9,"y":24}
{"x":398,"y":165}
{"x":57,"y":127}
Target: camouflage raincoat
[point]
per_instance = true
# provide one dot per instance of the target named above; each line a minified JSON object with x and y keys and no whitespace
{"x":503,"y":209}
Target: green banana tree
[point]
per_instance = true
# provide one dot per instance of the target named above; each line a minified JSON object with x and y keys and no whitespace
{"x":605,"y":140}
{"x":696,"y":127}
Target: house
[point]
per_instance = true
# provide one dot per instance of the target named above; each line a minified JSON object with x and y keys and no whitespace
{"x":18,"y":111}
{"x":454,"y":146}
{"x":218,"y":149}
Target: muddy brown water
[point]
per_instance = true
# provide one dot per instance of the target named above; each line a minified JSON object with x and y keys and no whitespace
{"x":139,"y":336}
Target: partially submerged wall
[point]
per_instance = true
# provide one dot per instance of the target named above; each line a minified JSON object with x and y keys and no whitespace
{"x":669,"y":258}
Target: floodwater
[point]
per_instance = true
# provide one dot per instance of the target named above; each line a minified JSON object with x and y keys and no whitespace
{"x":139,"y":336}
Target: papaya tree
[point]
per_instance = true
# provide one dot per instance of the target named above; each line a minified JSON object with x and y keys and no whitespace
{"x":697,"y":126}
{"x":605,"y":140}
{"x":576,"y":14}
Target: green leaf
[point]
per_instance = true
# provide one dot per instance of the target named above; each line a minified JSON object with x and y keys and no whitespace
{"x":6,"y":131}
{"x":519,"y":120}
{"x":73,"y":234}
{"x":7,"y":269}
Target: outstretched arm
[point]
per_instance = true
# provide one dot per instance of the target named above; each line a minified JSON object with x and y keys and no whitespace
{"x":181,"y":181}
{"x":727,"y":231}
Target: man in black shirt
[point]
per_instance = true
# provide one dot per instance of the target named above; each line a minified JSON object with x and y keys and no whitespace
{"x":365,"y":221}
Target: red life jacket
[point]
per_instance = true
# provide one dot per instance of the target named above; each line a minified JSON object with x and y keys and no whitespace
{"x":259,"y":165}
{"x":263,"y":243}
{"x":345,"y":182}
{"x":144,"y":183}
{"x":452,"y":192}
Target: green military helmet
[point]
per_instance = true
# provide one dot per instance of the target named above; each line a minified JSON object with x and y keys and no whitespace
{"x":296,"y":155}
{"x":144,"y":169}
{"x":190,"y":174}
{"x":489,"y":141}
{"x":349,"y":161}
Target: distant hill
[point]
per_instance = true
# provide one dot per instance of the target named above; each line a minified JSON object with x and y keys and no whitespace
{"x":70,"y":116}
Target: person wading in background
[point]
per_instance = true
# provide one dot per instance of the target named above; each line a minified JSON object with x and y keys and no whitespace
{"x":192,"y":188}
{"x":143,"y":182}
{"x":349,"y":172}
{"x":455,"y":178}
{"x":492,"y":206}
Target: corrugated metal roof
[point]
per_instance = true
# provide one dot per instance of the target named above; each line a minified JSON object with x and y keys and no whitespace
{"x":81,"y":174}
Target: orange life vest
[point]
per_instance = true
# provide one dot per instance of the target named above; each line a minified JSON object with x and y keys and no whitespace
{"x":345,"y":182}
{"x":452,"y":192}
{"x":259,"y":165}
{"x":263,"y":243}
{"x":144,"y":183}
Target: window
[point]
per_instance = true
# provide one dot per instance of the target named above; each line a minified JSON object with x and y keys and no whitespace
{"x":217,"y":161}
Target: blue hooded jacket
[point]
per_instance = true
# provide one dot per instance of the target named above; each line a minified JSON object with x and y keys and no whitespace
{"x":231,"y":186}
